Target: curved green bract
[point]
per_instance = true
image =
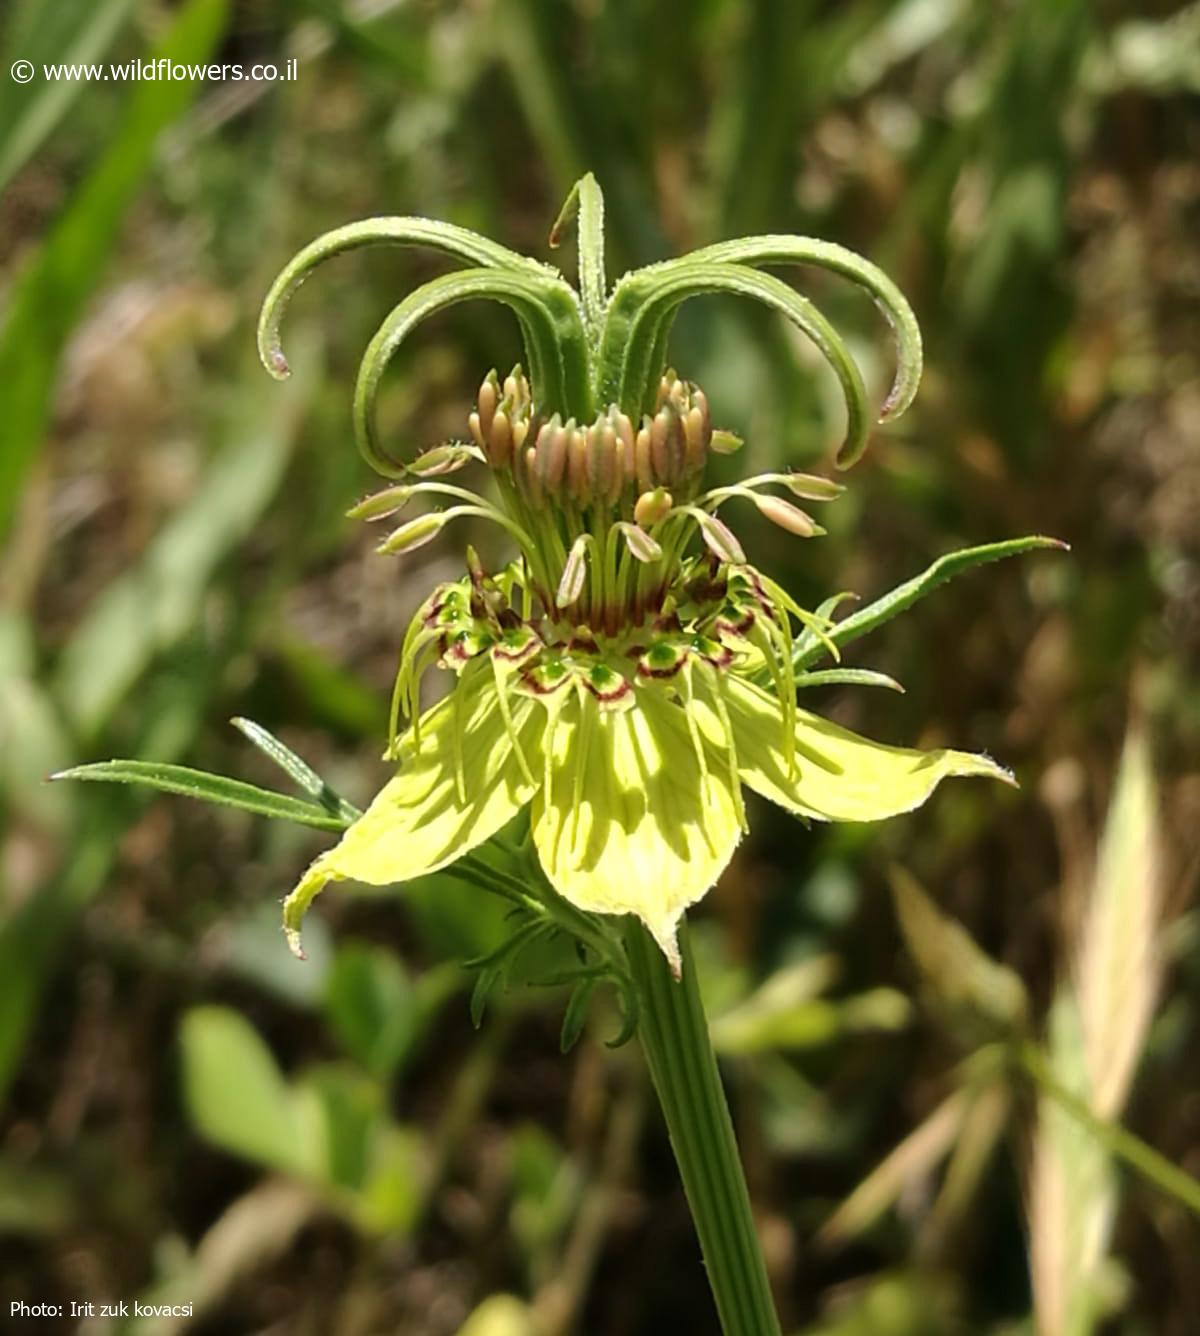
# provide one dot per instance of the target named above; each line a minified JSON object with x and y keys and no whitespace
{"x":585,"y":204}
{"x":632,"y":352}
{"x":781,"y":249}
{"x":556,"y":345}
{"x":458,"y":242}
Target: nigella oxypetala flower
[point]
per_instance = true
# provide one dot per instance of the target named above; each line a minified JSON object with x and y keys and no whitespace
{"x":629,"y":672}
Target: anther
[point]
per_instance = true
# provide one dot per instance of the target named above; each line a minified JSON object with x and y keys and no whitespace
{"x":577,"y":480}
{"x":500,"y":440}
{"x":489,"y":397}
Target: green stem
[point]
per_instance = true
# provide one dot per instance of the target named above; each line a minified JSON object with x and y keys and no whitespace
{"x":674,"y":1035}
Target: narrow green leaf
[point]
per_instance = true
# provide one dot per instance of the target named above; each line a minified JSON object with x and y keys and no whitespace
{"x":297,"y":769}
{"x":485,"y":984}
{"x":575,"y":1016}
{"x":809,"y":648}
{"x":48,"y":297}
{"x":849,"y":677}
{"x":209,"y":788}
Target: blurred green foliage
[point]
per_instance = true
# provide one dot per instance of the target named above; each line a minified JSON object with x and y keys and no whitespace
{"x":191,"y":1116}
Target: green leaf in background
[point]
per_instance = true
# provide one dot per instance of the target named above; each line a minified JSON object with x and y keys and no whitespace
{"x":68,"y":32}
{"x":151,"y":607}
{"x":220,"y":789}
{"x":48,"y":297}
{"x":32,"y":738}
{"x":915,"y":1302}
{"x":787,"y":1012}
{"x":372,"y":1006}
{"x":235,"y":1094}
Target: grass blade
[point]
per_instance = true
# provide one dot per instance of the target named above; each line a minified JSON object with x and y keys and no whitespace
{"x":50,"y":294}
{"x":74,"y":32}
{"x":209,"y":788}
{"x":1098,"y":1029}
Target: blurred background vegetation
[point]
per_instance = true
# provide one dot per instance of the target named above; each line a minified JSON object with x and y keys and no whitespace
{"x":191,"y":1116}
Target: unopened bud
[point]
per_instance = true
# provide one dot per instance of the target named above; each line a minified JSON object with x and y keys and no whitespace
{"x":652,"y":506}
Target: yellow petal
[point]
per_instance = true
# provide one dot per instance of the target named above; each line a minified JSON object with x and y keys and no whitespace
{"x":421,"y":820}
{"x":631,"y":822}
{"x":838,"y":775}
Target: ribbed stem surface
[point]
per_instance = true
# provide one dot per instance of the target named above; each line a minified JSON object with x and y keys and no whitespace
{"x":674,"y":1034}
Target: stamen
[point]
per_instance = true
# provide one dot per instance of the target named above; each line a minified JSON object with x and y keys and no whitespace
{"x":551,"y":449}
{"x":424,"y":528}
{"x":379,"y":505}
{"x":652,"y":507}
{"x":570,"y":587}
{"x":717,"y":535}
{"x":448,"y":458}
{"x":788,"y":516}
{"x":643,"y":469}
{"x":488,"y":400}
{"x":416,"y":533}
{"x":639,"y":542}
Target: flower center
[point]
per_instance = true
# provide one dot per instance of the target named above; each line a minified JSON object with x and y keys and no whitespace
{"x":606,"y":594}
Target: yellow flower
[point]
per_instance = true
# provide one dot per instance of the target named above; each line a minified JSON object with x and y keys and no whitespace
{"x":630,"y":673}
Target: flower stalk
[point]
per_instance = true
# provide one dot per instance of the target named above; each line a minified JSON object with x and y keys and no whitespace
{"x":674,"y":1033}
